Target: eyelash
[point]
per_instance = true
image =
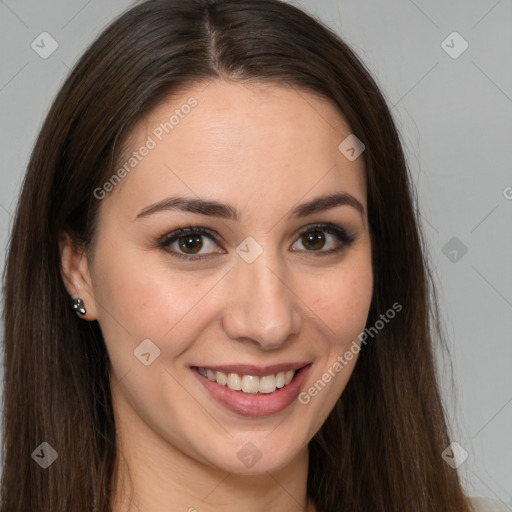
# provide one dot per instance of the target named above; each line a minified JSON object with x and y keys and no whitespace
{"x":166,"y":240}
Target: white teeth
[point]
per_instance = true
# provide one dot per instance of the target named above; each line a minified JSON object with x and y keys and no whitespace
{"x":222,"y":378}
{"x":249,"y":383}
{"x":267,"y":384}
{"x":234,"y":382}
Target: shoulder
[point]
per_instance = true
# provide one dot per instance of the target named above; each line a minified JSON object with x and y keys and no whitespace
{"x":488,"y":505}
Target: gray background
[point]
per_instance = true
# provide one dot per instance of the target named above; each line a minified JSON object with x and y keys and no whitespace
{"x":455,"y":116}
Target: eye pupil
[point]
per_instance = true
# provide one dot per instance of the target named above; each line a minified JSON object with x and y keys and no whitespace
{"x":314,"y":240}
{"x":190,"y":243}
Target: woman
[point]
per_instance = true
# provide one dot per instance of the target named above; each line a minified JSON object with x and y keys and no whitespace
{"x":215,"y":292}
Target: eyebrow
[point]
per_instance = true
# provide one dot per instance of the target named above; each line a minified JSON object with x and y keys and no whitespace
{"x":226,"y":211}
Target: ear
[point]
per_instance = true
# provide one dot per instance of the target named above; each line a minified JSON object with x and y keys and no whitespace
{"x":74,"y":269}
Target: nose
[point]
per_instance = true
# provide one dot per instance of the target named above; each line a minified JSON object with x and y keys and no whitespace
{"x":262,"y":307}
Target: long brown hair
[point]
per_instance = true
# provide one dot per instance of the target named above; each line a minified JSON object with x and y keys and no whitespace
{"x":380,"y":448}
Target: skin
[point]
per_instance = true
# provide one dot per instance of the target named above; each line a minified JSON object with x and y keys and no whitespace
{"x":263,"y":149}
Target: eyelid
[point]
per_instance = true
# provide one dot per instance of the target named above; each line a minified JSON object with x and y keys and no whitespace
{"x":328,"y":227}
{"x":344,"y":238}
{"x":165,"y":241}
{"x":176,"y":233}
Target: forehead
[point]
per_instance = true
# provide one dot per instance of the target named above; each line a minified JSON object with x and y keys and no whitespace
{"x":238,"y":139}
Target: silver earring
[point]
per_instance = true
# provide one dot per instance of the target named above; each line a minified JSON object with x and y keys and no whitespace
{"x":78,"y":306}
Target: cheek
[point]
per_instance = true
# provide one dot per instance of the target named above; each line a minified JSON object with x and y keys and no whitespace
{"x":139,"y":300}
{"x":342,"y":302}
{"x":342,"y":310}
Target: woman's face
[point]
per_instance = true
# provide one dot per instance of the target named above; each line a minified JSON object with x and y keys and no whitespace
{"x":270,"y":279}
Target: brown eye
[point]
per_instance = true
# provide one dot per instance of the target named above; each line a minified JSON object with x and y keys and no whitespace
{"x":314,"y":240}
{"x":324,"y":239}
{"x":190,"y":244}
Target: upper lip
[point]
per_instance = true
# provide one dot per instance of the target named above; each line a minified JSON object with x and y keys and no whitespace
{"x":257,"y":371}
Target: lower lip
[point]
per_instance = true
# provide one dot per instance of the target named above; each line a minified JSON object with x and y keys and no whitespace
{"x":255,"y":404}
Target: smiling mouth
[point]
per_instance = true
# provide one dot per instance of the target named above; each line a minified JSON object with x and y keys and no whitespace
{"x":250,"y":390}
{"x":250,"y":384}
